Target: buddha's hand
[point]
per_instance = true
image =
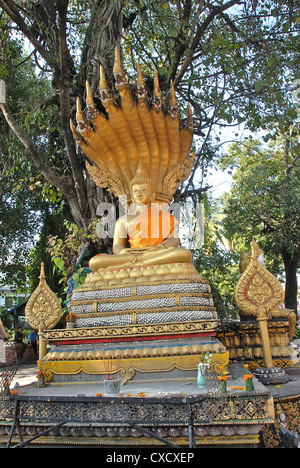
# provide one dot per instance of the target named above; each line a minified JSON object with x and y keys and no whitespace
{"x":137,"y":250}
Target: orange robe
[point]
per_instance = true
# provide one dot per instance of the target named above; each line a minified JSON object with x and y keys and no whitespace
{"x":151,"y":228}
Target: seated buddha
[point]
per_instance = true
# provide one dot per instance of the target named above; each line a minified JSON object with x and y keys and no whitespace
{"x":151,"y":233}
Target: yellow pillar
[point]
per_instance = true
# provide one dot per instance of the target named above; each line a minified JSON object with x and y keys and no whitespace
{"x":42,"y":346}
{"x":265,"y":340}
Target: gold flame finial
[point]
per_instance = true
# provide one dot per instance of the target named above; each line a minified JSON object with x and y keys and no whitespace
{"x":190,"y":122}
{"x":156,"y":91}
{"x":173,"y":109}
{"x":140,"y":80}
{"x":120,"y":77}
{"x":42,"y":272}
{"x":141,"y":88}
{"x":102,"y":82}
{"x":79,"y":112}
{"x":89,"y":96}
{"x":43,"y":309}
{"x":118,"y":63}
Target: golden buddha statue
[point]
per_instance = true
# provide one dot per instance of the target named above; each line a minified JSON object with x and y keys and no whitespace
{"x":148,"y":294}
{"x":139,"y":150}
{"x":151,"y":233}
{"x":140,"y":153}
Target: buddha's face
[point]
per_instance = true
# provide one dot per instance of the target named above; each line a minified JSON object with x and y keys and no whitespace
{"x":141,"y":193}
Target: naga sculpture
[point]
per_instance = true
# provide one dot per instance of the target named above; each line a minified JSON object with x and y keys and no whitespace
{"x":133,"y":134}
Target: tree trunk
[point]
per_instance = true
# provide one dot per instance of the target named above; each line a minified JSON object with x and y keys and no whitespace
{"x":291,"y":288}
{"x":45,"y":25}
{"x":102,"y":36}
{"x":65,"y":112}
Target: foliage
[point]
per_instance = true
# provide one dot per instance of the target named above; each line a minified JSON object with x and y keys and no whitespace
{"x":264,"y":202}
{"x":68,"y":253}
{"x":220,"y":267}
{"x":233,"y":62}
{"x":217,"y":260}
{"x":6,"y":318}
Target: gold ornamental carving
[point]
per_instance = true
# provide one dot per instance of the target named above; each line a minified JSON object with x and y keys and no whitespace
{"x":131,"y":331}
{"x":257,"y":292}
{"x":129,"y":366}
{"x":43,"y":309}
{"x":136,"y":352}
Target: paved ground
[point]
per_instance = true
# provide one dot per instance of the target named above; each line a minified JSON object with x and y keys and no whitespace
{"x":25,"y":382}
{"x":26,"y":385}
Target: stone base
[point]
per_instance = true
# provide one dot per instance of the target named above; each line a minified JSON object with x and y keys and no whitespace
{"x":169,"y":359}
{"x":271,"y":375}
{"x":144,"y":322}
{"x":243,"y":341}
{"x":95,"y":420}
{"x":143,"y":296}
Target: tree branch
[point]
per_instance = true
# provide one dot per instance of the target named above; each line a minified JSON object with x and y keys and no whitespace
{"x":34,"y":154}
{"x":64,"y":184}
{"x":182,"y":38}
{"x":215,"y":11}
{"x":9,"y":7}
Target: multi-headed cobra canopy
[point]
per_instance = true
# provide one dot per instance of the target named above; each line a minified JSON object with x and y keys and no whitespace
{"x":134,"y":135}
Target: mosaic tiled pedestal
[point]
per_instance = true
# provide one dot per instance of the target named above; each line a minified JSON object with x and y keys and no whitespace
{"x":143,"y":324}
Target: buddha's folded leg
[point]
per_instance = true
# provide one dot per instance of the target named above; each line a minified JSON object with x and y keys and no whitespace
{"x":169,"y":255}
{"x":110,"y":260}
{"x":151,"y":257}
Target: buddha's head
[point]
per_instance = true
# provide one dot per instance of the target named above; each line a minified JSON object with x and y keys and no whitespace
{"x":141,"y":188}
{"x":141,"y":193}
